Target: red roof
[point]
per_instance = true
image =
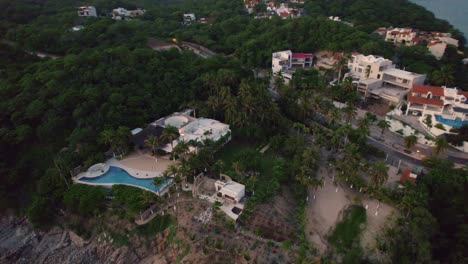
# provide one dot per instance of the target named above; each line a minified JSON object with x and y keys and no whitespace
{"x":406,"y":176}
{"x":425,"y":89}
{"x":463,"y":93}
{"x":423,"y":100}
{"x":302,"y":55}
{"x":418,"y":39}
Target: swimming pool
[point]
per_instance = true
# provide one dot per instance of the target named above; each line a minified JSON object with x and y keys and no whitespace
{"x":117,"y":175}
{"x":451,"y":122}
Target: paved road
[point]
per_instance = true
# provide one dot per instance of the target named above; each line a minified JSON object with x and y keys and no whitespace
{"x":393,"y":154}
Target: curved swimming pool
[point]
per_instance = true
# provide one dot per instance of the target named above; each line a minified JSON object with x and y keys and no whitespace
{"x":117,"y":175}
{"x":457,"y":122}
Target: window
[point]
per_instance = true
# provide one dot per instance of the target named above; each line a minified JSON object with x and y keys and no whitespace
{"x":378,"y":76}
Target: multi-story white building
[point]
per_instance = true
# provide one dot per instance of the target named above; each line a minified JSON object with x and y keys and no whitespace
{"x":368,"y":66}
{"x":286,"y":62}
{"x":448,"y":106}
{"x":377,"y":77}
{"x":87,"y":11}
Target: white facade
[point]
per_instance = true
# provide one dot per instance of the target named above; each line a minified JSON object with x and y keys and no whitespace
{"x":189,"y":18}
{"x":230,"y":190}
{"x":368,"y":66}
{"x":122,"y":13}
{"x":402,"y":79}
{"x":449,"y":40}
{"x":285,"y":62}
{"x":402,"y":36}
{"x":377,"y":77}
{"x":87,"y":11}
{"x":437,"y":49}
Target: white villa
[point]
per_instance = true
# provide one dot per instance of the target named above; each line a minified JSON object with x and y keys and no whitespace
{"x":190,"y":129}
{"x":403,"y":36}
{"x":378,"y":77}
{"x":87,"y":11}
{"x":285,"y":62}
{"x":369,"y":67}
{"x":230,"y":190}
{"x":448,"y":106}
{"x":189,"y":18}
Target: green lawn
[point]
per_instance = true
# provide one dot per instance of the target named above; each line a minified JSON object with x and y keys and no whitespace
{"x":345,"y":239}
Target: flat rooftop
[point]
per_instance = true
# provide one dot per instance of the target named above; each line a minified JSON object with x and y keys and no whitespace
{"x":394,"y":92}
{"x":401,"y":73}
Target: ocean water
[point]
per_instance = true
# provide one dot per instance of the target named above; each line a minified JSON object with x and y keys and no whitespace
{"x":454,"y":11}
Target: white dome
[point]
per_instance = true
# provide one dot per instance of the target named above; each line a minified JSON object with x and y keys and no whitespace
{"x":176,"y":121}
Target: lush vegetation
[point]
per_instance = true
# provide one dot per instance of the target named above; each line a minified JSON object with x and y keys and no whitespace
{"x":64,"y":113}
{"x":433,"y":225}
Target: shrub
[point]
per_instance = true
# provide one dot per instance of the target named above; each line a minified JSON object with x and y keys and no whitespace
{"x":440,"y":126}
{"x":400,"y":131}
{"x":286,"y":244}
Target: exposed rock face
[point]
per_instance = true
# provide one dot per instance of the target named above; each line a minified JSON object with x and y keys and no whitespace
{"x":20,"y":243}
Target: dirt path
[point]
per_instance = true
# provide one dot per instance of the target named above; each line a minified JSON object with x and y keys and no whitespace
{"x":324,"y":210}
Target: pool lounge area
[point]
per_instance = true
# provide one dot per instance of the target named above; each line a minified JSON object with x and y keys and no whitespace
{"x":457,"y":122}
{"x":116,"y":175}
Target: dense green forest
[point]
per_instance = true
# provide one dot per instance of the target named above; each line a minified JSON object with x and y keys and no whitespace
{"x":54,"y":111}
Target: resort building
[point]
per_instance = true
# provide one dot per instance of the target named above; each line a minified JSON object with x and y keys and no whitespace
{"x":87,"y":11}
{"x":286,"y":62}
{"x":448,"y":106}
{"x":190,"y":129}
{"x":230,"y":190}
{"x":378,"y":78}
{"x":122,"y":13}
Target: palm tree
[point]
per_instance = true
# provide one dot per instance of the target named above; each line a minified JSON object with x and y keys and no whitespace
{"x":333,"y":116}
{"x":441,"y":145}
{"x":410,"y":141}
{"x":378,"y":173}
{"x":152,"y":142}
{"x":107,"y":137}
{"x":350,"y":112}
{"x":159,"y":180}
{"x":368,"y":71}
{"x":170,"y":133}
{"x":340,"y":65}
{"x":181,"y":148}
{"x":443,"y":76}
{"x":383,"y":124}
{"x":364,"y":123}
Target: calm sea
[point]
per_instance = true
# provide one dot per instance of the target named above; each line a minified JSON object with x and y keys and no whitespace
{"x":454,"y":11}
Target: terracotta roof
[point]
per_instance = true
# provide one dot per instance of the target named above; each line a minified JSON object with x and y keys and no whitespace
{"x":418,"y":39}
{"x":423,"y":100}
{"x":302,"y":55}
{"x":406,"y":176}
{"x":425,"y":89}
{"x":463,"y":93}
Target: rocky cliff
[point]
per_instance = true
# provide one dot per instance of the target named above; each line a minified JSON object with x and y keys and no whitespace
{"x":20,"y":243}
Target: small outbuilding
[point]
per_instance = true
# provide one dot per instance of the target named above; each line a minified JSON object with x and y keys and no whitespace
{"x":230,"y":190}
